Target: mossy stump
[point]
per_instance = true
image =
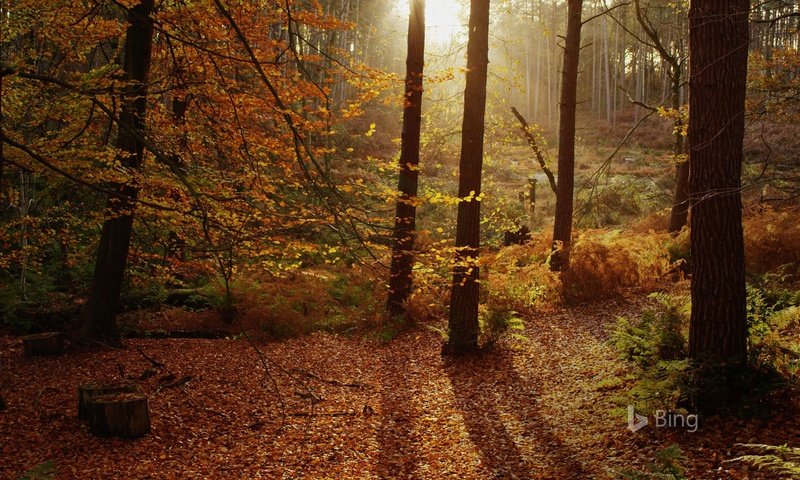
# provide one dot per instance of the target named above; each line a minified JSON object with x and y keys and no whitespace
{"x":43,"y":344}
{"x":122,"y":415}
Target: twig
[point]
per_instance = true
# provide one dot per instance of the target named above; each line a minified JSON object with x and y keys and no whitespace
{"x":150,"y":359}
{"x":269,"y":376}
{"x":332,"y":414}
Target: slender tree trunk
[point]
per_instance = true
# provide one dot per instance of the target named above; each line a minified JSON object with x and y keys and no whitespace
{"x":562,"y":231}
{"x":464,"y":294}
{"x":537,"y":76}
{"x":680,"y":204}
{"x":607,"y":71}
{"x":112,"y":252}
{"x":400,"y":275}
{"x":719,"y":45}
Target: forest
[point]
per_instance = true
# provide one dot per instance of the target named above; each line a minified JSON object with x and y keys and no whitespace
{"x":406,"y":239}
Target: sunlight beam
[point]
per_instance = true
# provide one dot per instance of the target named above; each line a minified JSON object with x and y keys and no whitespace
{"x":442,"y":19}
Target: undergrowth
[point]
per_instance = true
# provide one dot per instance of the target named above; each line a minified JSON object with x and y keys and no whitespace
{"x":667,"y":465}
{"x":657,"y":343}
{"x":780,"y":460}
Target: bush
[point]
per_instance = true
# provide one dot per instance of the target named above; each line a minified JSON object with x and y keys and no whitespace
{"x":667,"y":466}
{"x":519,"y":278}
{"x":772,"y":241}
{"x":602,"y":263}
{"x":623,"y":198}
{"x":660,"y":334}
{"x":495,"y":322}
{"x":309,"y":300}
{"x":657,"y":343}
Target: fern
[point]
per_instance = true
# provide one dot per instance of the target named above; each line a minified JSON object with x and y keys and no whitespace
{"x":781,"y":459}
{"x":667,"y":466}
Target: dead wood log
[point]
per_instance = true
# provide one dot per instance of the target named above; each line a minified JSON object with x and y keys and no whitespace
{"x":122,"y":415}
{"x":89,"y":391}
{"x":536,"y":150}
{"x":44,"y":344}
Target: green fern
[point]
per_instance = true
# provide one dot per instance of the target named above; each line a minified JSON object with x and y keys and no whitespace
{"x":667,"y":466}
{"x":779,"y":459}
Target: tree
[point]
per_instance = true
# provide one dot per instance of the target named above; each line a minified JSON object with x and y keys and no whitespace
{"x":671,"y":52}
{"x":112,"y":252}
{"x":562,"y":230}
{"x":719,"y":41}
{"x":463,"y":322}
{"x":400,"y":275}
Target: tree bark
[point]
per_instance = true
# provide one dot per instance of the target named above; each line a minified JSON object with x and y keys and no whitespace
{"x":562,"y":230}
{"x":400,"y":275}
{"x":122,"y":415}
{"x":465,"y":291}
{"x":112,"y":252}
{"x":719,"y":40}
{"x":89,"y":391}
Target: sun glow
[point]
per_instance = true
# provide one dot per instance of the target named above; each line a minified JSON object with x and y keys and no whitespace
{"x":443,"y":19}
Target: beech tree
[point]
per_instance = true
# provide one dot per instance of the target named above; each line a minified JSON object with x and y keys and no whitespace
{"x":400,"y":275}
{"x":112,"y":251}
{"x":562,"y":230}
{"x":719,"y":39}
{"x":463,"y":322}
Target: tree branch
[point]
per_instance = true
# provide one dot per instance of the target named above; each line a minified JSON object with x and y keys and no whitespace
{"x":535,"y":146}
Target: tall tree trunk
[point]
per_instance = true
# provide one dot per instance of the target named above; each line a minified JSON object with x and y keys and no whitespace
{"x":718,"y":44}
{"x":680,"y":202}
{"x":400,"y":275}
{"x":562,"y":230}
{"x":464,"y":294}
{"x":112,"y":252}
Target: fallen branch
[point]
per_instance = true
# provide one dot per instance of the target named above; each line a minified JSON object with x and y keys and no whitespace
{"x":150,"y":359}
{"x":536,"y":151}
{"x":332,"y":414}
{"x":178,"y":383}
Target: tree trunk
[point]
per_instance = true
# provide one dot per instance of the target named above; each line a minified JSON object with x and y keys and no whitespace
{"x":562,"y":231}
{"x":112,"y":251}
{"x":465,"y":290}
{"x":89,"y":391}
{"x":400,"y":275}
{"x":719,"y":40}
{"x":680,"y":201}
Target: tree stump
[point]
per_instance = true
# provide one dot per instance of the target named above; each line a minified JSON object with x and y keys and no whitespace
{"x":44,"y":344}
{"x":122,"y":415}
{"x":89,"y":391}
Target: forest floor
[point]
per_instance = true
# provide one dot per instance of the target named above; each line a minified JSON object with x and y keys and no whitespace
{"x":353,"y":407}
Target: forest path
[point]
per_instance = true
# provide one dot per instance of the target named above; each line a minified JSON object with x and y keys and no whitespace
{"x":539,"y":408}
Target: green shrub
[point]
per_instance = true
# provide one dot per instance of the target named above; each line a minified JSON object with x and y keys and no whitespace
{"x":667,"y":466}
{"x":351,"y":293}
{"x":659,"y":335}
{"x":657,"y":343}
{"x":759,"y":312}
{"x":495,"y":322}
